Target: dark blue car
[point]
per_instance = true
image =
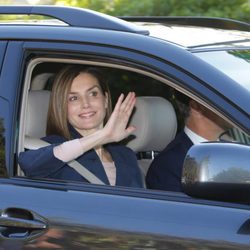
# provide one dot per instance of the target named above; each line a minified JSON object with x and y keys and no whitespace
{"x":205,"y":59}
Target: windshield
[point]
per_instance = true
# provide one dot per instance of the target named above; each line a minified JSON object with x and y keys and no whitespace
{"x":234,"y":63}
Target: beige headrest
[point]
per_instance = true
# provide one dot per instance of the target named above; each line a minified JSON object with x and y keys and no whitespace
{"x":156,"y":124}
{"x":154,"y":118}
{"x":36,"y":119}
{"x":39,"y":81}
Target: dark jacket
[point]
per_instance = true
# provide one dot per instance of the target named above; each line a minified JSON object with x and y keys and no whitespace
{"x":166,"y":169}
{"x":43,"y":164}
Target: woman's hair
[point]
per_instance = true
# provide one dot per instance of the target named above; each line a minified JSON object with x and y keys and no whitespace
{"x":57,"y":119}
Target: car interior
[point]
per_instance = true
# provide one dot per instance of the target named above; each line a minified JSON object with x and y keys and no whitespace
{"x":155,"y":116}
{"x":150,"y":117}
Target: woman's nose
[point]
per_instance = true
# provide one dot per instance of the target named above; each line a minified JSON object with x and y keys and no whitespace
{"x":85,"y":102}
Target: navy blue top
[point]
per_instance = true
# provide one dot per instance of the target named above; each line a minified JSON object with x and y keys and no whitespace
{"x":43,"y":164}
{"x":166,"y":169}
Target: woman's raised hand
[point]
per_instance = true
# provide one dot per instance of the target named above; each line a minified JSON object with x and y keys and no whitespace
{"x":116,"y":128}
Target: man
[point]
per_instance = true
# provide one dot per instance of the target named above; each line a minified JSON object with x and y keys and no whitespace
{"x":201,"y":125}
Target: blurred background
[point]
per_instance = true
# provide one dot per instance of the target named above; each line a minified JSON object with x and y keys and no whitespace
{"x":235,"y":9}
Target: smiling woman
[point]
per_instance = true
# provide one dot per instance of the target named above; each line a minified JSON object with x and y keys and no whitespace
{"x":80,"y":127}
{"x":87,"y":104}
{"x":74,"y":87}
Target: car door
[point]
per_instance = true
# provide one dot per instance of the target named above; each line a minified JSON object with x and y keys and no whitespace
{"x":43,"y":213}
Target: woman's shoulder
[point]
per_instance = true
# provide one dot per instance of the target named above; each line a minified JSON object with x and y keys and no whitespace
{"x":54,"y":139}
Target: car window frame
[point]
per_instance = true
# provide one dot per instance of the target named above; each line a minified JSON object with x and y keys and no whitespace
{"x":67,"y":57}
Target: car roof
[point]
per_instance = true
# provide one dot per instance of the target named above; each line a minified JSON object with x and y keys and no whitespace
{"x":204,"y":30}
{"x":75,"y":17}
{"x":196,"y":32}
{"x":197,"y":37}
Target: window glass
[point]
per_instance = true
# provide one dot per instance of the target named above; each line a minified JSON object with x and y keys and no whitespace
{"x":119,"y":81}
{"x":123,"y":81}
{"x":234,"y":63}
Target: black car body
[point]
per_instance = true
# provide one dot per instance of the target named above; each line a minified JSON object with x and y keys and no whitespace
{"x":44,"y":213}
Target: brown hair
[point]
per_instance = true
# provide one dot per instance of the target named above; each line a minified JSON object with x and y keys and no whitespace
{"x":57,"y":120}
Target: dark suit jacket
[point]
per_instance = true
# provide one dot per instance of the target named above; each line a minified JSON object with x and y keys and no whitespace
{"x":166,"y":169}
{"x":43,"y":164}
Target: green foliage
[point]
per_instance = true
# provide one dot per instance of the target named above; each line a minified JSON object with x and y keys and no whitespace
{"x":104,"y":6}
{"x":235,"y":9}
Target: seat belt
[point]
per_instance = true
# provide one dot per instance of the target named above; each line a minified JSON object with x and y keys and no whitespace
{"x":35,"y":143}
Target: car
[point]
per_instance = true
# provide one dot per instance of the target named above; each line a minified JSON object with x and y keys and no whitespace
{"x":207,"y":59}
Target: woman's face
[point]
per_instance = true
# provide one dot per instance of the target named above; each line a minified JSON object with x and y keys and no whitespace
{"x":86,"y":104}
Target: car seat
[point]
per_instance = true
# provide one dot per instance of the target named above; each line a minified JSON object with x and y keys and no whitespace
{"x":156,"y":125}
{"x":36,"y":117}
{"x":154,"y":118}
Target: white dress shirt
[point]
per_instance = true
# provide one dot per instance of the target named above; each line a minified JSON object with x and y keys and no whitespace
{"x":195,"y":138}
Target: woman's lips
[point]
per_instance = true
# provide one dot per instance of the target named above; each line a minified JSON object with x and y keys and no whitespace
{"x":87,"y":114}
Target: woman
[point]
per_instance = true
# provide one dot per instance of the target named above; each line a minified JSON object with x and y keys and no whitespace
{"x":80,"y":126}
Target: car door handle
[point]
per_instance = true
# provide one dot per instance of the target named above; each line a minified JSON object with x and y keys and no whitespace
{"x":21,"y":223}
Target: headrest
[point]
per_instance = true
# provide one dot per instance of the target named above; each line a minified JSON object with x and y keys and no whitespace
{"x":36,"y":119}
{"x":39,"y":81}
{"x":155,"y":122}
{"x":154,"y":119}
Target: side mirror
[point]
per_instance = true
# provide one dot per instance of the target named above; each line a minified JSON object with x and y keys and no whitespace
{"x":218,"y":171}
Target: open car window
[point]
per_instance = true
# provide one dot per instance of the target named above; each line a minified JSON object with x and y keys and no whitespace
{"x":159,"y":96}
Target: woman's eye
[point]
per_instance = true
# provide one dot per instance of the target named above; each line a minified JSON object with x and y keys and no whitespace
{"x":93,"y":93}
{"x":72,"y":98}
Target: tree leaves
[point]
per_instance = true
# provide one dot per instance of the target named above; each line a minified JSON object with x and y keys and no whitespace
{"x":235,"y":9}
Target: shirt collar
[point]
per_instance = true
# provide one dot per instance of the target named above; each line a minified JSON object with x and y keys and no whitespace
{"x":73,"y":132}
{"x":195,"y":138}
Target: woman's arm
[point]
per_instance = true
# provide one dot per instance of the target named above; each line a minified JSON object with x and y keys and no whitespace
{"x":40,"y":162}
{"x":115,"y":130}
